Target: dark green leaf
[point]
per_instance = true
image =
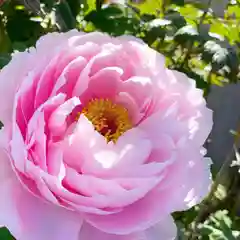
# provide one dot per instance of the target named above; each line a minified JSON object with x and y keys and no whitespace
{"x":177,"y":19}
{"x":5,"y":44}
{"x":65,"y":17}
{"x":5,"y":235}
{"x":159,"y":23}
{"x":21,"y":29}
{"x":112,"y":20}
{"x":221,"y":54}
{"x":75,"y":6}
{"x":178,"y":2}
{"x":4,"y":59}
{"x":112,"y":11}
{"x":186,"y":34}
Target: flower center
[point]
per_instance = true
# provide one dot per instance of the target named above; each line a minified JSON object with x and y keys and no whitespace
{"x":109,"y":119}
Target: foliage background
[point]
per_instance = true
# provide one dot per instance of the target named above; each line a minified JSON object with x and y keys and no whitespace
{"x":198,"y":37}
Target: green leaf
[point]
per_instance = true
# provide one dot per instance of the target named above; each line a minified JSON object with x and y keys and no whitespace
{"x":178,"y":2}
{"x":186,"y":34}
{"x":112,"y":11}
{"x":215,"y":53}
{"x":156,"y":29}
{"x":5,"y":44}
{"x":20,"y":28}
{"x":4,"y":59}
{"x":149,"y":7}
{"x":112,"y":20}
{"x":176,"y":18}
{"x":77,"y":5}
{"x":65,"y":17}
{"x":5,"y":235}
{"x":221,"y":54}
{"x":219,"y":226}
{"x":159,"y":23}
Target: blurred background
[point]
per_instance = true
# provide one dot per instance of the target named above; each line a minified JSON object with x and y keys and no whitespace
{"x":198,"y":37}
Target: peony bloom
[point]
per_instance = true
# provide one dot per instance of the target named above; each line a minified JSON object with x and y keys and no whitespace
{"x":100,"y":141}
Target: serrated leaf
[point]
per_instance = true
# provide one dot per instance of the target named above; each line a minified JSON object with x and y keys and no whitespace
{"x":216,"y":52}
{"x":186,"y":34}
{"x":221,"y":54}
{"x":112,"y":11}
{"x":177,"y":19}
{"x":112,"y":20}
{"x":159,"y":23}
{"x":187,"y":30}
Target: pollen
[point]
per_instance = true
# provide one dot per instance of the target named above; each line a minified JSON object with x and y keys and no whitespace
{"x":108,"y":118}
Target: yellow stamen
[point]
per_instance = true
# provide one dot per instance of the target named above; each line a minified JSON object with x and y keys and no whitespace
{"x":109,"y":119}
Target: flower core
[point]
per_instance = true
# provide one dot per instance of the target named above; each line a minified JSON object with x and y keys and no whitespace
{"x":109,"y":119}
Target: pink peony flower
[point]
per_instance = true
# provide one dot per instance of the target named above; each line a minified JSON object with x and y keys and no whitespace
{"x":100,"y":141}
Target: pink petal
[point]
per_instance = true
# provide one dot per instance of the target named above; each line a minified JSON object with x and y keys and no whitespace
{"x":46,"y":82}
{"x":9,"y":216}
{"x":127,"y":101}
{"x":89,"y":232}
{"x":115,"y":56}
{"x":164,"y":230}
{"x":139,"y":216}
{"x":36,"y":174}
{"x":79,"y":145}
{"x":24,"y":102}
{"x":164,"y":123}
{"x":40,"y":220}
{"x":105,"y":83}
{"x":10,"y":79}
{"x":55,"y":160}
{"x":83,"y":80}
{"x":69,"y":76}
{"x":93,"y":37}
{"x":57,"y":121}
{"x":187,"y":181}
{"x":139,"y":88}
{"x":18,"y":150}
{"x":115,"y":193}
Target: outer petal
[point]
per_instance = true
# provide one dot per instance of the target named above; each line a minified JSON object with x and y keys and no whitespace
{"x":89,"y":232}
{"x":139,"y":216}
{"x":10,"y":78}
{"x":28,"y":217}
{"x":197,"y":185}
{"x":40,"y":220}
{"x":14,"y":73}
{"x":164,"y":230}
{"x":8,"y":216}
